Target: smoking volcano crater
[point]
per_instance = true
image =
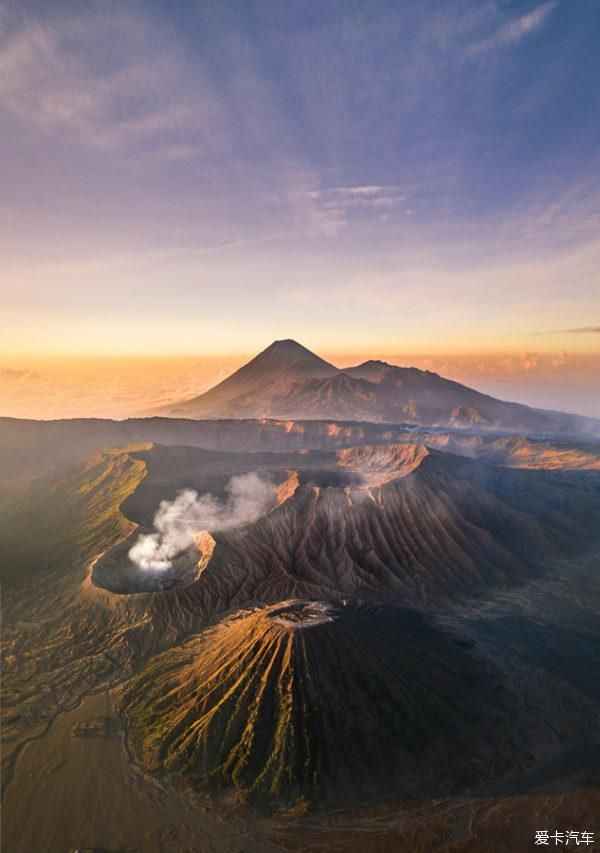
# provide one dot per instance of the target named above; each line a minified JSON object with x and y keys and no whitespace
{"x":175,"y":552}
{"x":115,"y":572}
{"x":323,"y":703}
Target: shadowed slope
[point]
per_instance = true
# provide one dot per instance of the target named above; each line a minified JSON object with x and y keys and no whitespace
{"x":316,"y":701}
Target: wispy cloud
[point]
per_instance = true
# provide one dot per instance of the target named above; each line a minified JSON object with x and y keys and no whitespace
{"x":516,"y":30}
{"x":367,"y":191}
{"x":513,"y":31}
{"x":105,"y":79}
{"x":581,"y":330}
{"x":330,"y":210}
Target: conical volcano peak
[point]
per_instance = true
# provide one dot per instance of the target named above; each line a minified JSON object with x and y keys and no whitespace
{"x":291,"y":352}
{"x":289,"y":346}
{"x":254,"y":386}
{"x":290,"y":699}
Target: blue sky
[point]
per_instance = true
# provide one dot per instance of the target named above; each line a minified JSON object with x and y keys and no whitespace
{"x":209,"y":176}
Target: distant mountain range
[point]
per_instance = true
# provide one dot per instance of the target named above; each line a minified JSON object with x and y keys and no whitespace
{"x":287,"y":381}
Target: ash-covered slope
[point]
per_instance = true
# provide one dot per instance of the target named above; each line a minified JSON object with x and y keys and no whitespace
{"x":394,"y":523}
{"x":426,"y":527}
{"x":322,"y":703}
{"x":288,"y":381}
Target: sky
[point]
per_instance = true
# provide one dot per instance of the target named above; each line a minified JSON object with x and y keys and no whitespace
{"x":187,"y":179}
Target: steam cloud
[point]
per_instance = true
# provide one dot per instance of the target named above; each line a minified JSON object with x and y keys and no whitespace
{"x":178,"y":521}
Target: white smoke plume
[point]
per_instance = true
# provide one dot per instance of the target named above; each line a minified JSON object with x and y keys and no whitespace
{"x":178,"y":521}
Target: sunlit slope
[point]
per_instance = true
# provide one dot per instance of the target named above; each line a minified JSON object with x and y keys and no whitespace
{"x":316,"y":701}
{"x":71,"y":519}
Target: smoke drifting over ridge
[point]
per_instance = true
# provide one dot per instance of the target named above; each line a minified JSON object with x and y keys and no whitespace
{"x":178,"y":521}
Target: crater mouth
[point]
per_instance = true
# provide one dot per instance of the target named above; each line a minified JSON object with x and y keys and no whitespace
{"x":298,"y":614}
{"x":115,"y":572}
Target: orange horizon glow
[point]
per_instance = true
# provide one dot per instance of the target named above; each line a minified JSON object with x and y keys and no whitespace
{"x":118,"y":387}
{"x":585,"y":345}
